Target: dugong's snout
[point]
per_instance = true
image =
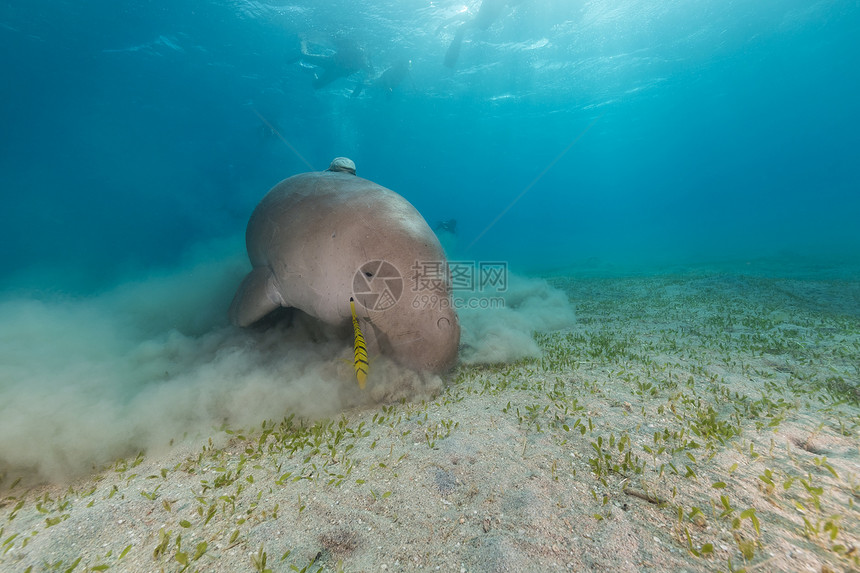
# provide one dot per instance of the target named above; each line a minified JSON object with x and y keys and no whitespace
{"x":435,"y":348}
{"x":448,"y":342}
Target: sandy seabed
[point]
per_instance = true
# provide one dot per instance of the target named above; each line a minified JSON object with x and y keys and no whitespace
{"x":703,"y":422}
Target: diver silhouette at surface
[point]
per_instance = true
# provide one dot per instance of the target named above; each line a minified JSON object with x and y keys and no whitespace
{"x":388,"y":80}
{"x":348,"y":59}
{"x":489,"y":12}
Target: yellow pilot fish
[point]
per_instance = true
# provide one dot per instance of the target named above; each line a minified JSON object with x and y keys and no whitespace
{"x":361,"y":364}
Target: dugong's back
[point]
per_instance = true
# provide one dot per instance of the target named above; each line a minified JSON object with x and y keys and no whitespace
{"x":298,"y":212}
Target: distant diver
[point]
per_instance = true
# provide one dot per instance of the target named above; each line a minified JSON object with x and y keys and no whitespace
{"x":388,"y":80}
{"x":447,"y":226}
{"x":446,"y":231}
{"x":348,"y":59}
{"x":488,"y":13}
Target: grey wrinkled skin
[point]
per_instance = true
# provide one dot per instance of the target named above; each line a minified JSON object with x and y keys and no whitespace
{"x":313,"y":232}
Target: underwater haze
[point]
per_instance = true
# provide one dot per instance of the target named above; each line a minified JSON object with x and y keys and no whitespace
{"x":562,"y":136}
{"x":642,"y":132}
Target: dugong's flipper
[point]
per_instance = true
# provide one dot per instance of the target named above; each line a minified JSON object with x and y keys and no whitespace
{"x":257,"y":296}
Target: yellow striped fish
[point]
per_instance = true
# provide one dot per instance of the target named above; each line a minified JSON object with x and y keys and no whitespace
{"x":361,"y":364}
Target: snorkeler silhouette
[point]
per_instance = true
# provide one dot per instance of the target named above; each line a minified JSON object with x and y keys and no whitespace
{"x":347,"y":59}
{"x":488,"y":13}
{"x":388,"y":80}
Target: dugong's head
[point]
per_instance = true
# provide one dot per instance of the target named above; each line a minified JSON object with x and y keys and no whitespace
{"x":402,"y":286}
{"x":406,"y":305}
{"x":402,"y":283}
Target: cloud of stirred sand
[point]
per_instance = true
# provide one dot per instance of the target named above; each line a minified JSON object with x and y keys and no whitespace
{"x":84,"y":381}
{"x":504,"y":334}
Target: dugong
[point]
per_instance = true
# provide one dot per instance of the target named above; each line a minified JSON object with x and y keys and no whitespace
{"x":316,"y":239}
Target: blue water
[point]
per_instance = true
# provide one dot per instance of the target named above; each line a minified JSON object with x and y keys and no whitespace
{"x":644,"y":133}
